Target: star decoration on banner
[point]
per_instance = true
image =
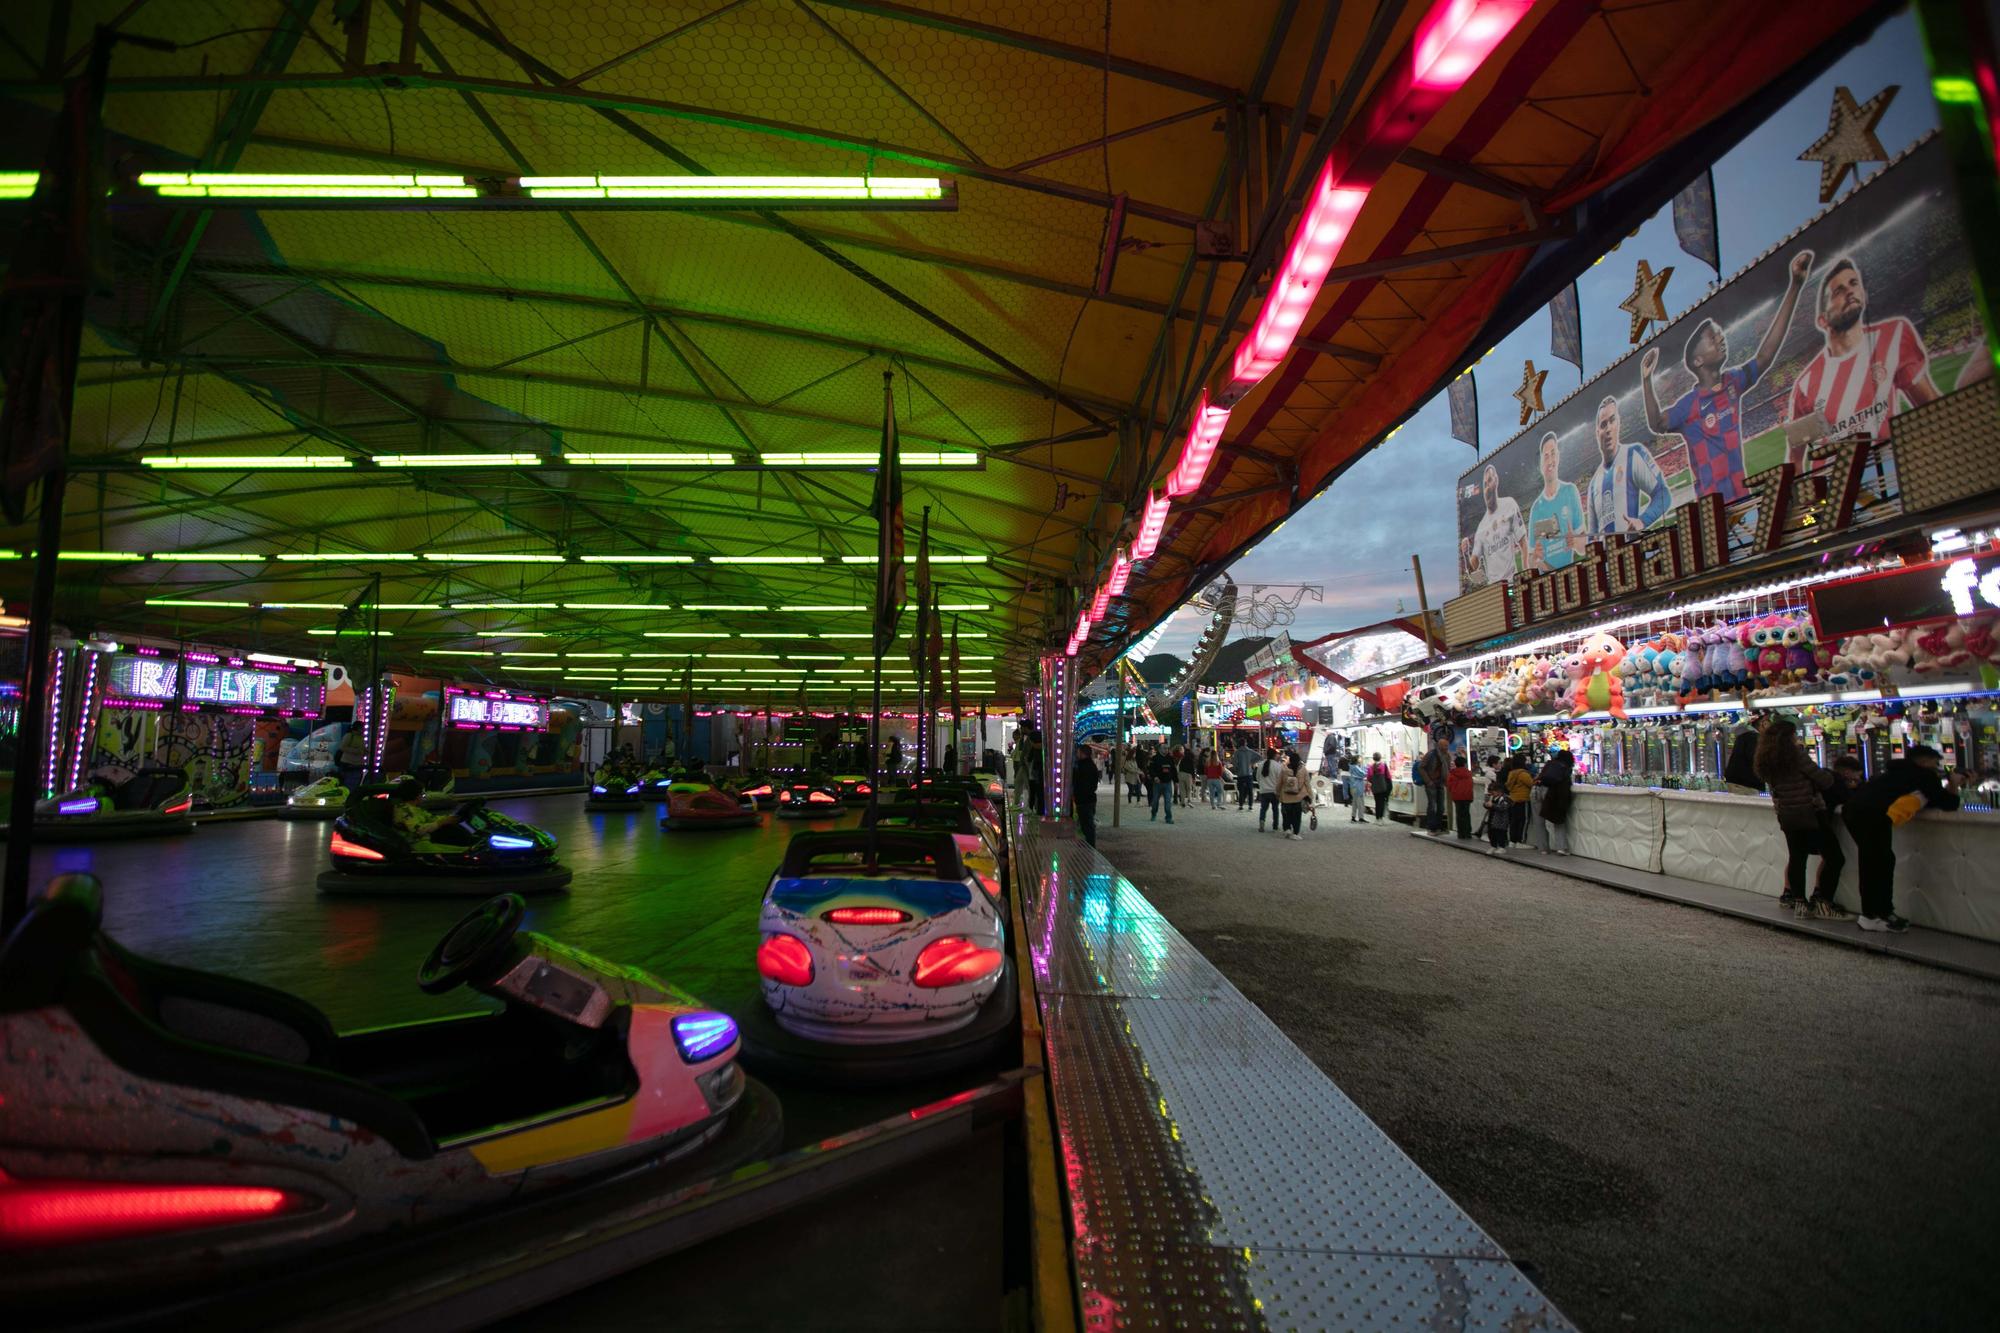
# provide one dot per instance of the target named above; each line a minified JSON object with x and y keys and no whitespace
{"x":1645,"y":304}
{"x":1529,"y":395}
{"x":1849,"y":139}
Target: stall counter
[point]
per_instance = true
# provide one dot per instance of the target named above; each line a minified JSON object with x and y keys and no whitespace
{"x":1944,"y":859}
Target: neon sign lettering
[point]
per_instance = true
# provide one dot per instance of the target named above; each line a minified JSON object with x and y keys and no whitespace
{"x":136,"y":681}
{"x":494,"y":710}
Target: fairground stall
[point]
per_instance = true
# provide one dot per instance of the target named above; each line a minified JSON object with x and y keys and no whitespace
{"x":1845,"y":573}
{"x":1367,"y":720}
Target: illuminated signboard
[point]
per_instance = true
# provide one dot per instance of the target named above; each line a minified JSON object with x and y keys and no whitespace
{"x":494,"y":710}
{"x":1913,"y":595}
{"x":151,"y":679}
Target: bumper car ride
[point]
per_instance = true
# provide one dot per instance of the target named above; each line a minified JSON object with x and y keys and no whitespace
{"x":480,"y":852}
{"x":881,"y":960}
{"x":812,"y":798}
{"x":169,"y":1130}
{"x":694,"y":806}
{"x":151,"y":803}
{"x":615,"y":792}
{"x":853,"y":788}
{"x":323,"y":799}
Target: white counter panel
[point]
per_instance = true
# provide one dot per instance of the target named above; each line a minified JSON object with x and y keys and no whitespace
{"x":1722,"y":839}
{"x":1621,"y":825}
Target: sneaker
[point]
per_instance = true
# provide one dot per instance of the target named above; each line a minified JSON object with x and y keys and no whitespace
{"x":1793,"y":903}
{"x":1562,"y":851}
{"x":1293,"y":836}
{"x":1496,"y":851}
{"x":1892,"y":923}
{"x":1827,"y":910}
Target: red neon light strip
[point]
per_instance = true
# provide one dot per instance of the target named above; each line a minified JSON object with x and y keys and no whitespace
{"x":1150,"y":527}
{"x":58,"y":1212}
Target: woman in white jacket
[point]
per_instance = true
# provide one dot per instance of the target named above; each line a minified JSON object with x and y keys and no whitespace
{"x":1269,"y":773}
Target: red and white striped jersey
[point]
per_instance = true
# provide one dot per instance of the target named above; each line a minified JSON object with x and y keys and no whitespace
{"x":1857,"y":394}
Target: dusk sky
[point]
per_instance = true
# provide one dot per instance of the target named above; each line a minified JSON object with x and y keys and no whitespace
{"x":1356,"y":539}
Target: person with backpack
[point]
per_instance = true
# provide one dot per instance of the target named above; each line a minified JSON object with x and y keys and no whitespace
{"x":1432,"y":770}
{"x":1497,"y":812}
{"x":1554,"y":792}
{"x":1294,"y":794}
{"x":1891,"y":798}
{"x":1379,"y":784}
{"x":1458,"y":787}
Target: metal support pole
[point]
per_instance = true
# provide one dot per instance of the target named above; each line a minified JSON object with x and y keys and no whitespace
{"x":377,"y":709}
{"x":1424,"y":610}
{"x":36,"y":710}
{"x":1118,"y":747}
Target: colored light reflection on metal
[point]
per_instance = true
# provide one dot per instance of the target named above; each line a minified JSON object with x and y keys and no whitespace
{"x":1151,"y":524}
{"x":954,"y":961}
{"x":67,"y":1212}
{"x":353,"y":851}
{"x":702,"y":1036}
{"x":785,"y":960}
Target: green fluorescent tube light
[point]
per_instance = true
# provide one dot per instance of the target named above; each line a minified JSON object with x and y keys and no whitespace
{"x":305,"y":606}
{"x":513,"y":634}
{"x":822,"y":608}
{"x":502,"y":606}
{"x":523,"y":652}
{"x":911,"y":560}
{"x":813,"y":657}
{"x":768,"y":634}
{"x":635,"y":458}
{"x":456,"y":652}
{"x":942,"y":458}
{"x":358,"y":557}
{"x":820,"y":460}
{"x":245,"y":462}
{"x":210,"y":557}
{"x":687,"y":634}
{"x":410,"y":606}
{"x":255,"y":185}
{"x":767,"y":560}
{"x":457,"y":460}
{"x":717,"y":606}
{"x":968,"y":657}
{"x":105,"y":557}
{"x":511,"y":667}
{"x":966,"y":606}
{"x":578,"y":655}
{"x":189,"y":601}
{"x":345,"y":633}
{"x":613,"y":606}
{"x":750,"y":189}
{"x":19,"y":184}
{"x":638,"y":559}
{"x":741,"y":657}
{"x":847,"y":636}
{"x":493,"y":558}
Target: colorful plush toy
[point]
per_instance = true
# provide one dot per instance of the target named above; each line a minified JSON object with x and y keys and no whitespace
{"x":1596,"y":670}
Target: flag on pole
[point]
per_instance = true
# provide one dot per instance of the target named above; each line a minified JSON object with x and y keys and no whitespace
{"x":1463,"y":395}
{"x":888,"y":528}
{"x":1566,"y":327}
{"x":918,"y":646}
{"x":1694,"y":221}
{"x":48,"y":275}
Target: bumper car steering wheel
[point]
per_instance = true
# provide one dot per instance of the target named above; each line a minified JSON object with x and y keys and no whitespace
{"x":479,"y":940}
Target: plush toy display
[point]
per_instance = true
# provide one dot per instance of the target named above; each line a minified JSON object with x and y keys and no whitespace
{"x":1596,"y":675}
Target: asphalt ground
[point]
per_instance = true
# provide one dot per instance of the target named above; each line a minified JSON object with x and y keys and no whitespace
{"x":1670,"y":1118}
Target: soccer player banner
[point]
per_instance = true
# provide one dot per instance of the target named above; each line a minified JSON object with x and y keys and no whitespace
{"x":1866,"y":312}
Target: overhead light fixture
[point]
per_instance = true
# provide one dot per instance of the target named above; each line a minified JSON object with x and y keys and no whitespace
{"x":457,"y":652}
{"x":410,"y":606}
{"x":813,"y":657}
{"x":345,"y":557}
{"x":1151,"y":525}
{"x":211,"y":557}
{"x":304,"y":606}
{"x":846,"y":636}
{"x":244,"y":462}
{"x":574,"y":656}
{"x":348,"y":633}
{"x":767,"y":560}
{"x":261,"y":185}
{"x":687,"y":634}
{"x":190,"y":601}
{"x":492,"y":558}
{"x":509,"y":666}
{"x":823,"y":608}
{"x":456,"y":460}
{"x":512,"y":634}
{"x":869,"y":459}
{"x":785,"y":634}
{"x":524,"y":652}
{"x":1205,"y":425}
{"x":713,"y":606}
{"x":19,"y":184}
{"x":935,"y":559}
{"x":965,"y":606}
{"x":1329,"y":213}
{"x":1455,"y":38}
{"x":101,"y":557}
{"x":637,"y":559}
{"x":503,"y":606}
{"x":1121,"y":573}
{"x":614,"y":606}
{"x":748,"y":189}
{"x":941,"y":458}
{"x":639,"y":458}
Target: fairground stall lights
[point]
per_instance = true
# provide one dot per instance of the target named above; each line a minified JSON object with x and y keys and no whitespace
{"x":1452,"y":40}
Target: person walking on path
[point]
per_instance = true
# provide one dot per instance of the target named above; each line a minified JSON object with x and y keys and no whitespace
{"x":1433,"y":769}
{"x":1293,"y":794}
{"x":1246,"y":776}
{"x":1211,"y":774}
{"x":1379,"y":785}
{"x":1161,"y":774}
{"x":1798,"y":788}
{"x":1496,"y":808}
{"x":1458,"y":787}
{"x":1554,"y":794}
{"x":1135,"y":781}
{"x":1892,"y":797}
{"x":1083,"y":778}
{"x":1520,"y":780}
{"x":1268,"y":774}
{"x":1187,"y":774}
{"x":1357,"y":789}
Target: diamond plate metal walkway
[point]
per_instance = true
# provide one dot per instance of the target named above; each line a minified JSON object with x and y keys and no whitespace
{"x":1215,"y":1177}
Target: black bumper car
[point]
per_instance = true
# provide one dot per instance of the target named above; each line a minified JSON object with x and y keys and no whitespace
{"x":478,"y":852}
{"x":615,"y":792}
{"x":153,"y":802}
{"x":697,"y":806}
{"x":809,"y":798}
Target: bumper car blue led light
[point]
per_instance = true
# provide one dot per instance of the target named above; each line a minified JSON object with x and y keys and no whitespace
{"x":700,"y":1036}
{"x":506,"y":842}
